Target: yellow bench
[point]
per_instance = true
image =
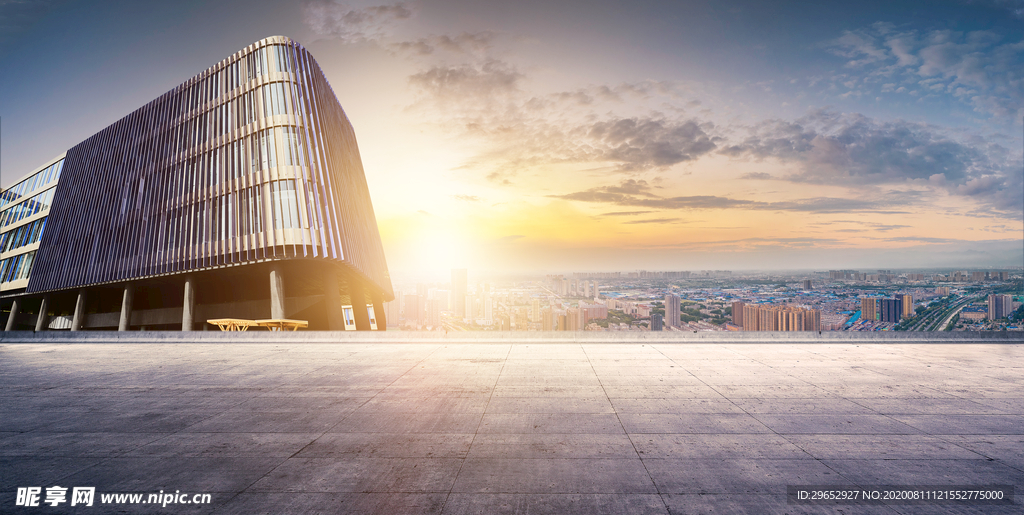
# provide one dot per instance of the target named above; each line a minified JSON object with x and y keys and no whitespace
{"x":282,"y":324}
{"x":232,"y":324}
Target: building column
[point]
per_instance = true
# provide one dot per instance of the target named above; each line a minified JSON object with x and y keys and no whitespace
{"x":358,"y":297}
{"x":126,"y":307}
{"x":378,"y":310}
{"x":332,"y":301}
{"x":14,"y":314}
{"x":79,"y":318}
{"x":189,"y":305}
{"x":276,"y":291}
{"x":41,"y":320}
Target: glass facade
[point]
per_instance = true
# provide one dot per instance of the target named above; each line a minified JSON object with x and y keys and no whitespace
{"x":251,"y":160}
{"x":28,"y":198}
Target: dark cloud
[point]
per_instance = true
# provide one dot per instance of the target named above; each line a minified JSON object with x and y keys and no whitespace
{"x":757,"y":176}
{"x":465,"y":43}
{"x":640,"y":144}
{"x":333,"y":19}
{"x":469,"y":81}
{"x":618,"y":195}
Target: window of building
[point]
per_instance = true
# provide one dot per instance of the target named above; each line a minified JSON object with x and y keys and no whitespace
{"x":285,"y":204}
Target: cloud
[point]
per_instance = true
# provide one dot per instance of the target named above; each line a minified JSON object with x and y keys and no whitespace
{"x":979,"y":68}
{"x":758,"y":176}
{"x":640,"y":144}
{"x":465,"y":43}
{"x":467,"y":198}
{"x":335,"y":20}
{"x":620,"y":196}
{"x":469,"y":81}
{"x":625,"y":213}
{"x":854,"y":150}
{"x":654,"y":221}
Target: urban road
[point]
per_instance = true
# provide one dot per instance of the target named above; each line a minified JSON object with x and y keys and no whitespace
{"x":503,"y":422}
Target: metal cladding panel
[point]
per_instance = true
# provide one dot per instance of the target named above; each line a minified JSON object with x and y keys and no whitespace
{"x":253,"y":159}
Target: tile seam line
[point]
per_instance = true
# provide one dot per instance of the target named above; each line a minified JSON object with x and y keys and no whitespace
{"x":755,"y":418}
{"x":345,"y":417}
{"x":650,"y":478}
{"x":465,"y":458}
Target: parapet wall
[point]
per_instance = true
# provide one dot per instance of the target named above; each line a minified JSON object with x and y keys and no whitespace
{"x":372,"y":337}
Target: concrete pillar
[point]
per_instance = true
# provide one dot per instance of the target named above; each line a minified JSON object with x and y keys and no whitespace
{"x":276,"y":291}
{"x":332,"y":301}
{"x":43,"y":318}
{"x":126,"y":307}
{"x":189,"y":305}
{"x":79,"y":318}
{"x":378,"y":310}
{"x":358,"y":296}
{"x":14,"y":315}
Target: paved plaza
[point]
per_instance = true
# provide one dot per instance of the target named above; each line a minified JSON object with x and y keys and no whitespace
{"x":506,"y":426}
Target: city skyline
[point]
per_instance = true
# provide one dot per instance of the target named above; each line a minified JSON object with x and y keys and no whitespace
{"x":662,"y":136}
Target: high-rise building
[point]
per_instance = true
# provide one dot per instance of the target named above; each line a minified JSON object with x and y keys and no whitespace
{"x":807,"y":284}
{"x":907,"y":301}
{"x":942,"y":290}
{"x":737,"y":313}
{"x":237,"y":194}
{"x":673,"y":311}
{"x":772,"y":317}
{"x":890,"y":310}
{"x":999,"y":306}
{"x":458,"y":292}
{"x":535,"y":310}
{"x":869,"y":308}
{"x":656,"y":322}
{"x":433,"y":313}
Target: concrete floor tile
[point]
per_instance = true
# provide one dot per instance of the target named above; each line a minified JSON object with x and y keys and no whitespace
{"x":81,"y":445}
{"x":386,"y":422}
{"x":554,"y":504}
{"x":881,"y":447}
{"x":835,"y":424}
{"x":236,"y":445}
{"x":965,"y":424}
{"x":187,"y":474}
{"x":277,"y":503}
{"x":388,"y":445}
{"x":578,"y":423}
{"x":436,"y":404}
{"x":553,"y":475}
{"x":549,"y":405}
{"x":269,"y":422}
{"x":663,"y":392}
{"x":18,"y":471}
{"x":625,"y":405}
{"x":722,"y":446}
{"x":361,"y":475}
{"x":738,"y":476}
{"x":812,"y":406}
{"x":928,"y":407}
{"x":552,"y":445}
{"x":926,"y":472}
{"x":758,"y":504}
{"x":549,"y":391}
{"x":637,"y":423}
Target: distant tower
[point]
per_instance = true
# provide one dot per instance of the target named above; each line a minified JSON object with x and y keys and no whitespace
{"x":807,"y":284}
{"x":672,"y":311}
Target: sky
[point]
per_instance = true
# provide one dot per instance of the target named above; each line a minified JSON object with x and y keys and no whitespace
{"x":552,"y":137}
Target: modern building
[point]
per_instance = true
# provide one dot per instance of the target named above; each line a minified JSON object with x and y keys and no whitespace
{"x":657,"y":324}
{"x":772,"y":317}
{"x":672,"y":311}
{"x":869,"y":308}
{"x":999,"y":306}
{"x":238,"y":194}
{"x":908,"y":304}
{"x":890,"y":310}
